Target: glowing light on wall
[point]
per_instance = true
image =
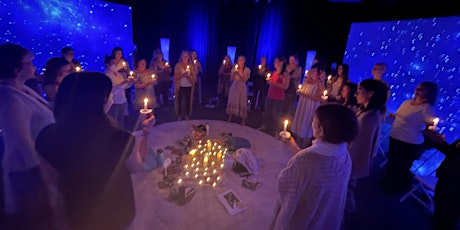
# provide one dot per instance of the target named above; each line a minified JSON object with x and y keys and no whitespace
{"x":91,"y":28}
{"x":309,"y":59}
{"x":164,"y":44}
{"x":231,"y":51}
{"x":415,"y":51}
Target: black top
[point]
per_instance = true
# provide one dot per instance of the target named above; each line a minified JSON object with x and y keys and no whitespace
{"x":93,"y":178}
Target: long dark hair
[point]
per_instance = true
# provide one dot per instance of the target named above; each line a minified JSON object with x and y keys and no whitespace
{"x":432,"y":91}
{"x":379,"y":98}
{"x":82,"y":96}
{"x":52,"y":69}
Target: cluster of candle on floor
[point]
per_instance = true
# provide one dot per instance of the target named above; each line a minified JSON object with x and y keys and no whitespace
{"x":204,"y":164}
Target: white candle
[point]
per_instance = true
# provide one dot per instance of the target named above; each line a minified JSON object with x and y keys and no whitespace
{"x":153,"y":77}
{"x":146,"y":100}
{"x":131,"y":73}
{"x":268,"y":76}
{"x":435,"y":123}
{"x":236,"y":66}
{"x":225,"y":61}
{"x":124,"y":64}
{"x":167,"y":63}
{"x":325,"y":93}
{"x":260,"y":66}
{"x":188,"y":68}
{"x":77,"y":69}
{"x":329,"y":77}
{"x":194,"y":61}
{"x":324,"y":97}
{"x":192,"y":152}
{"x":285,"y":125}
{"x":300,"y":86}
{"x":205,"y":160}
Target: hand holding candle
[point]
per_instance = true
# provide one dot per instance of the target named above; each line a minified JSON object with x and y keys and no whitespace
{"x":236,"y":66}
{"x":260,"y":66}
{"x":268,"y":76}
{"x":285,"y":135}
{"x":435,"y":124}
{"x":324,"y":96}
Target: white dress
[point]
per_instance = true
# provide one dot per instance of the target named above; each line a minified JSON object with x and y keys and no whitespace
{"x":305,"y":111}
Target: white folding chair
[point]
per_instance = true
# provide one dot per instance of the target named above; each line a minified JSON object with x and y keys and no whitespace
{"x":425,"y":179}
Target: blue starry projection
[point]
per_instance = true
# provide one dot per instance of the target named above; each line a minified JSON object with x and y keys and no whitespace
{"x":91,"y":28}
{"x":415,"y":50}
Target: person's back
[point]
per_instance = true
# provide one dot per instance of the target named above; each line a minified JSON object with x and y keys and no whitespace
{"x":89,"y":152}
{"x":95,"y":183}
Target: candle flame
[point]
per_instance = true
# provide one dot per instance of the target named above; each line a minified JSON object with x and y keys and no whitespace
{"x":325,"y":92}
{"x":436,"y":120}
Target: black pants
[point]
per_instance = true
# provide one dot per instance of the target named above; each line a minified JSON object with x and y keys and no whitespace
{"x":289,"y":100}
{"x":401,"y":156}
{"x":260,"y":88}
{"x":162,"y":89}
{"x":185,"y":94}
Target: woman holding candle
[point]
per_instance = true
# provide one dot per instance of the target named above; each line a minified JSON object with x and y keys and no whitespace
{"x":184,"y":86}
{"x":371,"y":97}
{"x":337,"y":83}
{"x":278,"y":81}
{"x":119,"y":84}
{"x":223,"y":84}
{"x":91,"y":153}
{"x":309,"y":100}
{"x":24,"y":114}
{"x":312,"y":188}
{"x":199,"y":72}
{"x":259,"y":84}
{"x":123,"y":69}
{"x":406,"y":139}
{"x":162,"y":71}
{"x":295,"y":74}
{"x":145,"y":80}
{"x":56,"y":70}
{"x":237,"y":104}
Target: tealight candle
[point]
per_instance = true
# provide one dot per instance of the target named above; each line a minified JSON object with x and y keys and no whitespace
{"x":219,"y":155}
{"x":214,"y":184}
{"x":192,"y":152}
{"x":179,"y":181}
{"x":205,"y":160}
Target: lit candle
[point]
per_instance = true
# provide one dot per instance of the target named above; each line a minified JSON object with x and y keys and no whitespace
{"x":153,"y":77}
{"x":214,"y":184}
{"x":268,"y":76}
{"x":146,"y":100}
{"x":285,"y":125}
{"x":209,"y":146}
{"x":219,"y":155}
{"x":179,"y":181}
{"x":188,"y":68}
{"x":225,"y":61}
{"x":329,"y":78}
{"x":131,"y":73}
{"x":260,"y":66}
{"x":324,"y":96}
{"x":208,"y":179}
{"x":192,"y":152}
{"x":124,"y":64}
{"x":435,"y":123}
{"x":300,"y":86}
{"x":167,"y":64}
{"x":77,"y":69}
{"x":306,"y":71}
{"x":236,"y":66}
{"x":205,"y":160}
{"x":194,"y":61}
{"x":200,"y":182}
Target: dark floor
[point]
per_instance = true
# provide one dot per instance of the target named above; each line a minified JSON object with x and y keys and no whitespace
{"x":375,"y":210}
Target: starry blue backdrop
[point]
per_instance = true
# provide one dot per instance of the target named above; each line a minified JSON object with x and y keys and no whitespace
{"x":91,"y":28}
{"x":416,"y":50}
